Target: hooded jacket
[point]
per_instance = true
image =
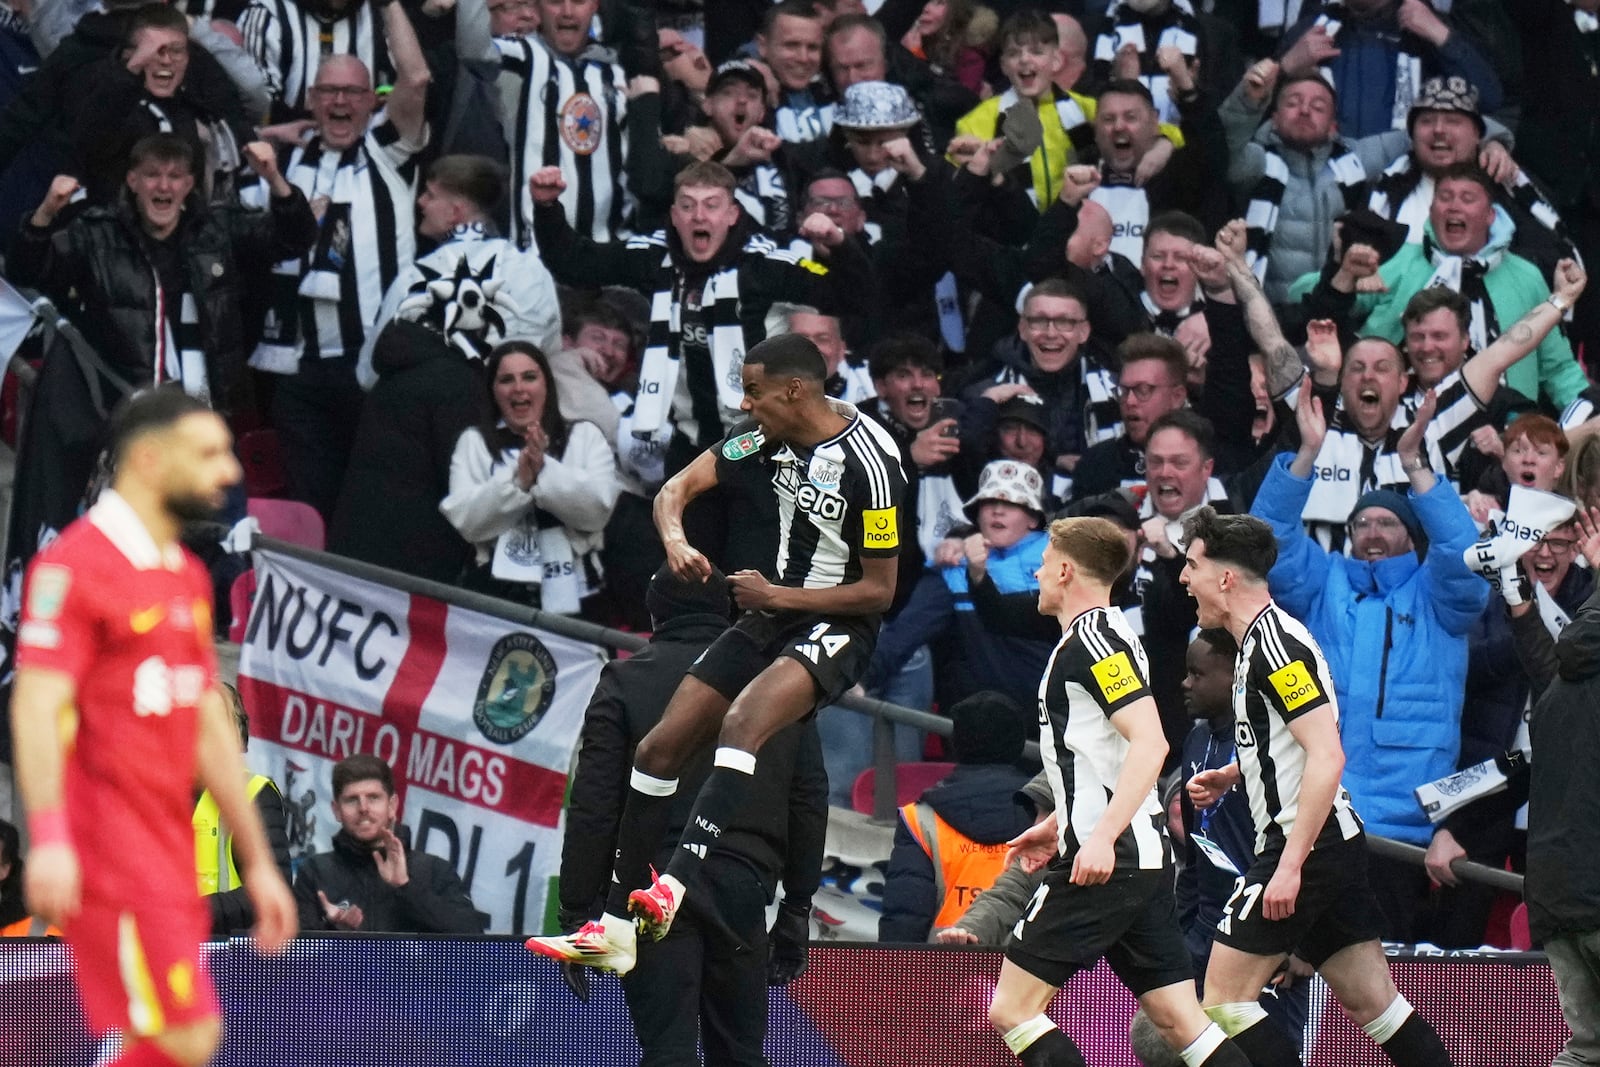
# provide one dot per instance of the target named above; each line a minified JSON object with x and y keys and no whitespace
{"x":1563,"y":879}
{"x":428,"y":392}
{"x":1514,"y":285}
{"x":981,"y":803}
{"x":1394,"y":632}
{"x":98,"y":271}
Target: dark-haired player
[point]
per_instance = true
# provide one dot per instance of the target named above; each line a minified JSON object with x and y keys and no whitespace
{"x":116,"y":718}
{"x":1307,"y":890}
{"x":1108,"y":890}
{"x":800,"y":643}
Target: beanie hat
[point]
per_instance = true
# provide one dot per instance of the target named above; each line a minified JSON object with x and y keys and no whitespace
{"x":670,"y":597}
{"x":1393,"y":501}
{"x":988,"y":727}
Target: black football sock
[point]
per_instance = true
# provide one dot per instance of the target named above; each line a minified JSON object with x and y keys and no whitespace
{"x":1407,"y":1038}
{"x":723,"y":796}
{"x":644,"y":822}
{"x":1037,"y":1043}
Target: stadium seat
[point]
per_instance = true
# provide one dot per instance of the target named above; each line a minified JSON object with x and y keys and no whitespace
{"x":262,"y":462}
{"x":289,"y":520}
{"x":910,"y":779}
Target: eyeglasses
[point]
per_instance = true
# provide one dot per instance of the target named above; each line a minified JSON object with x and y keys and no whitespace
{"x":348,"y":92}
{"x":514,"y":5}
{"x":1561,"y":546}
{"x":822,"y":203}
{"x":1386,"y":523}
{"x":1141,"y":392}
{"x":1062,"y":323}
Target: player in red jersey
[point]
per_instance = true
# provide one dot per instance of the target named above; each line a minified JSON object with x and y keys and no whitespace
{"x":116,"y":717}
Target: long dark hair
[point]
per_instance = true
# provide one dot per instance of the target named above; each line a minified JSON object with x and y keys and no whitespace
{"x":497,"y":437}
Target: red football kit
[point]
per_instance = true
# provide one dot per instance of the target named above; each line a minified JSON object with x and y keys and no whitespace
{"x":131,"y":625}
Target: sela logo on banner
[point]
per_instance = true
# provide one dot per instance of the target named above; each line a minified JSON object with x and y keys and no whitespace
{"x":1520,"y":532}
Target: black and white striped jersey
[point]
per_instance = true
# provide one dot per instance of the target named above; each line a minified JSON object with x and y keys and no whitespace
{"x":837,"y":502}
{"x":1460,"y":411}
{"x":1097,"y":669}
{"x":364,"y":198}
{"x":1279,"y":676}
{"x":570,"y":114}
{"x":289,"y":43}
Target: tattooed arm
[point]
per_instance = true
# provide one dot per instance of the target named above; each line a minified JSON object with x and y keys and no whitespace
{"x":1482,"y":373}
{"x":1282,"y":361}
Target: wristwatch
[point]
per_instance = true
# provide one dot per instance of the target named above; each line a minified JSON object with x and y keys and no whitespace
{"x":1412,"y":466}
{"x":1557,"y":303}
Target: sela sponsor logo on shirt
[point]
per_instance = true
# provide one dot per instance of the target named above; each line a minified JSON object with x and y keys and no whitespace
{"x":1127,"y":229}
{"x":1243,"y":735}
{"x":808,"y":497}
{"x":1116,"y":677}
{"x":1331,"y":474}
{"x":1295,"y":685}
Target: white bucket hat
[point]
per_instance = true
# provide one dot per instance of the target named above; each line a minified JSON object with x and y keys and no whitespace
{"x":877,"y":106}
{"x":1012,"y":482}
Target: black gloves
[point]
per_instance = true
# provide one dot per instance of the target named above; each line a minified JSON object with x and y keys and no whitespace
{"x":787,"y":943}
{"x":576,"y":975}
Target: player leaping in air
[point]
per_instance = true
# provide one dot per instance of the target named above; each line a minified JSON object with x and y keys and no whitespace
{"x":800,"y":643}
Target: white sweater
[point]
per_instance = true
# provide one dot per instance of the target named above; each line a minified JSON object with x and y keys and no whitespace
{"x":579,"y":488}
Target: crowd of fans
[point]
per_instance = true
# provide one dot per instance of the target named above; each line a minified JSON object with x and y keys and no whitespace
{"x":488,"y":271}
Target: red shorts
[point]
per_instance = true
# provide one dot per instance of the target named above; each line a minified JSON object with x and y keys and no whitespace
{"x":139,"y":968}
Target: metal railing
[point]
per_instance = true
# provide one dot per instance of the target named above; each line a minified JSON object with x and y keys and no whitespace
{"x":885,"y":715}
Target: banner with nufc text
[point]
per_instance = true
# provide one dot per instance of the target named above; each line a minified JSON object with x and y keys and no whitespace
{"x":478,"y":717}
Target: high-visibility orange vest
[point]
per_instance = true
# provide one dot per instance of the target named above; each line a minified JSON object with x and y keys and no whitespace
{"x":962,"y":868}
{"x":30,"y":927}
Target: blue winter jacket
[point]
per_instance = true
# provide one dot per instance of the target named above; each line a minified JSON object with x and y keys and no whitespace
{"x":1395,"y":635}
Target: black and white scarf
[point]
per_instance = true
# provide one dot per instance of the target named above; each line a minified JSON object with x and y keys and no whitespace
{"x":1261,"y":217}
{"x":1181,"y":31}
{"x":180,"y":352}
{"x":1407,"y":65}
{"x":725,"y":337}
{"x":1166,"y":323}
{"x":1465,"y":275}
{"x":221,"y":167}
{"x":1404,"y":194}
{"x":764,"y":196}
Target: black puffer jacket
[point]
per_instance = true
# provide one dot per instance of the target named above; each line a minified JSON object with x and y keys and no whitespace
{"x":50,"y":103}
{"x":98,"y":271}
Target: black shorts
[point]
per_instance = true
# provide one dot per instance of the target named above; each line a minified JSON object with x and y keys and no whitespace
{"x":1335,"y":908}
{"x":1130,"y":920}
{"x":834,"y":649}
